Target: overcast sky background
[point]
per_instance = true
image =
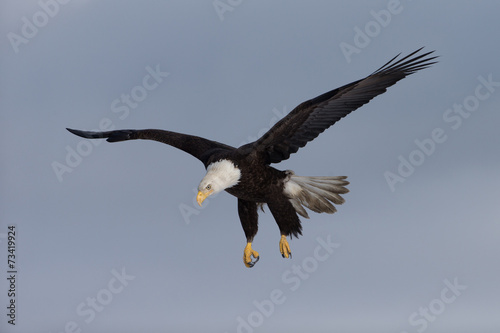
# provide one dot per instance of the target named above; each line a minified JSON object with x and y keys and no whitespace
{"x":231,"y":75}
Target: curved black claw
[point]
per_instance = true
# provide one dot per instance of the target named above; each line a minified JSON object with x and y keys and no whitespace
{"x":252,"y":263}
{"x":248,"y":253}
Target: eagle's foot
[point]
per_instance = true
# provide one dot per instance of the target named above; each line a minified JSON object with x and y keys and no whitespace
{"x":285,"y":248}
{"x":248,"y":253}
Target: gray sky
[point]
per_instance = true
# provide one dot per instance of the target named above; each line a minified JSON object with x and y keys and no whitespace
{"x":108,"y":235}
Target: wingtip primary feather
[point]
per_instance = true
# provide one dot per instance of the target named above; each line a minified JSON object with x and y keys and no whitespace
{"x":83,"y":134}
{"x":410,"y":63}
{"x":91,"y":135}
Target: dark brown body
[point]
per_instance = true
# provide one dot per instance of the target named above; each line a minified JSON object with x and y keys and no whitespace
{"x":260,"y":183}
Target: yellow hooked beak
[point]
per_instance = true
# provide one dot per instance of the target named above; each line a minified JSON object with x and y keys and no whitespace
{"x":201,"y":196}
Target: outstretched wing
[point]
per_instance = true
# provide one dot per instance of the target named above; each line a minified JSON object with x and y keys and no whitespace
{"x":309,"y":119}
{"x":200,"y":148}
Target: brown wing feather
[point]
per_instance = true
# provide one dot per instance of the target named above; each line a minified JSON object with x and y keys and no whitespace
{"x":309,"y":119}
{"x":199,"y":147}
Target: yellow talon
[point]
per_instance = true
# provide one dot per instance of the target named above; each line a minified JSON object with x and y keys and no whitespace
{"x":285,"y":248}
{"x":247,"y":256}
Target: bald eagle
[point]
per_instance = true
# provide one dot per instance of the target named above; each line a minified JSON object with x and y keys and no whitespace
{"x":246,"y":172}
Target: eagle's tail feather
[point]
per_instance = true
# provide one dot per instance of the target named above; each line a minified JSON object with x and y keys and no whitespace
{"x":316,"y":193}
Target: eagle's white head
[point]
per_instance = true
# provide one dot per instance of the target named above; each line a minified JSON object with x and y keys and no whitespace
{"x":220,"y":175}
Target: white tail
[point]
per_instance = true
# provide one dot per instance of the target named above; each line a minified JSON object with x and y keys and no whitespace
{"x":316,"y":193}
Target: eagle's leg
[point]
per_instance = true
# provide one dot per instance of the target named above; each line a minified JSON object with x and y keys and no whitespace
{"x":288,"y":222}
{"x":285,"y":248}
{"x":247,"y":210}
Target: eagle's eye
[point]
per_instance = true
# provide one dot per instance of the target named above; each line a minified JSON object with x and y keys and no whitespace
{"x":209,"y":187}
